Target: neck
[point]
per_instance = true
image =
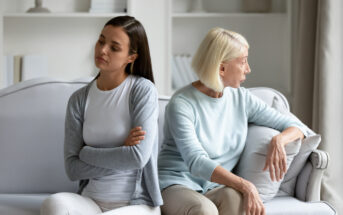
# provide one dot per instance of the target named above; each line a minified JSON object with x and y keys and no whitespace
{"x":109,"y":81}
{"x":209,"y":92}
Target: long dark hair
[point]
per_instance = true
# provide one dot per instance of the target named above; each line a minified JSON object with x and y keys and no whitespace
{"x":138,"y":45}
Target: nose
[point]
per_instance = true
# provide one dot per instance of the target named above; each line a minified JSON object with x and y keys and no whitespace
{"x":248,"y":70}
{"x":103,"y":49}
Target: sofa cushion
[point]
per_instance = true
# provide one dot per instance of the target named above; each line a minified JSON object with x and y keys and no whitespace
{"x":253,"y":159}
{"x":291,"y":206}
{"x":21,"y":204}
{"x":308,"y":144}
{"x":32,"y":137}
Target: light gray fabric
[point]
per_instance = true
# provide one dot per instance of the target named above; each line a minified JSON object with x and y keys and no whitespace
{"x":301,"y":186}
{"x":84,"y":162}
{"x":307,"y":146}
{"x":21,"y":204}
{"x":253,"y":159}
{"x":32,"y":130}
{"x":291,"y":206}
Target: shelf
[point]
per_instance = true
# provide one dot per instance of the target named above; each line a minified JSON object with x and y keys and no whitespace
{"x":224,"y":15}
{"x":62,"y":15}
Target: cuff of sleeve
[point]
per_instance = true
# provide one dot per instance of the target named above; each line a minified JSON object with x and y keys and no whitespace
{"x":305,"y":130}
{"x":206,"y":169}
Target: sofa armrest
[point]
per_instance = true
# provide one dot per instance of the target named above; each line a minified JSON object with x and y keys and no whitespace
{"x":320,"y":162}
{"x":309,"y":180}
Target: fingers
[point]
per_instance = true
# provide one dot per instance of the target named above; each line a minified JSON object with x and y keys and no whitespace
{"x":135,"y":136}
{"x":276,"y":162}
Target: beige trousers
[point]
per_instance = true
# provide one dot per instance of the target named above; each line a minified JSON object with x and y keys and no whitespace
{"x":179,"y":200}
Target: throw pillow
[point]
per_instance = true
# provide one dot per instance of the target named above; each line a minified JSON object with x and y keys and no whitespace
{"x":308,"y":144}
{"x":253,"y":158}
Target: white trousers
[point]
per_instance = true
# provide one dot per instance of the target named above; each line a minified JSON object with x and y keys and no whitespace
{"x":74,"y":204}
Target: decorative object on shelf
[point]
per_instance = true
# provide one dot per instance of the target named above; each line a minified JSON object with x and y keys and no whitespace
{"x":38,"y":8}
{"x":180,"y":6}
{"x":256,"y":6}
{"x":107,"y":6}
{"x":197,"y":7}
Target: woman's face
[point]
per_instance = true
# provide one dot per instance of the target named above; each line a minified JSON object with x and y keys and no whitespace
{"x":112,"y":50}
{"x":234,"y":72}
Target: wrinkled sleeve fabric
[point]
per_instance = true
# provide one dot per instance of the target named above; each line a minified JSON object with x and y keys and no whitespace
{"x":144,"y":112}
{"x":260,"y":113}
{"x":181,"y":122}
{"x":77,"y":169}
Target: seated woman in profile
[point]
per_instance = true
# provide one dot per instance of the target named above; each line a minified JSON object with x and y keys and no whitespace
{"x":111,"y":131}
{"x":206,"y":125}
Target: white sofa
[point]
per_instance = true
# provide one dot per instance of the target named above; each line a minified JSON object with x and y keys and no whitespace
{"x":31,"y":150}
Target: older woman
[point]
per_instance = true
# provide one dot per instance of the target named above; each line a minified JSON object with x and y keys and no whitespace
{"x":206,"y":125}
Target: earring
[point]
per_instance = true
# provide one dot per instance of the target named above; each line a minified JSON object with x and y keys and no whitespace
{"x":131,"y":67}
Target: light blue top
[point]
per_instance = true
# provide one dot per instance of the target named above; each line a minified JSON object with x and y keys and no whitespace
{"x":202,"y":132}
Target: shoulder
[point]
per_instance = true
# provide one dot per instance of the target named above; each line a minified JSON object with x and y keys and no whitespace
{"x":142,"y":84}
{"x":142,"y":90}
{"x":183,"y":100}
{"x":79,"y":95}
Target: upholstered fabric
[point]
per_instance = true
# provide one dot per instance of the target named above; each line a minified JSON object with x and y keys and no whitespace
{"x":21,"y":204}
{"x":292,"y":206}
{"x":308,"y":145}
{"x":253,"y":159}
{"x":32,"y":134}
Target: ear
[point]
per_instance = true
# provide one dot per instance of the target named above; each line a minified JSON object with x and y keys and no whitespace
{"x":132,"y":58}
{"x":221,"y":70}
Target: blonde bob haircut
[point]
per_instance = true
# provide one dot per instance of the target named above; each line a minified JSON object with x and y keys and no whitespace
{"x":218,"y":46}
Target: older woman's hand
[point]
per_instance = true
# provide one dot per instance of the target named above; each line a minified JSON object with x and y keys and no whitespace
{"x":135,"y":136}
{"x":276,"y":158}
{"x":252,"y":202}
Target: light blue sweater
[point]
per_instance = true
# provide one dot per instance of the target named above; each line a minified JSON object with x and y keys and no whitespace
{"x":84,"y":162}
{"x":202,"y":132}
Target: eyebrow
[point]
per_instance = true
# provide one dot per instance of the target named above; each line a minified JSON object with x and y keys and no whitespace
{"x":115,"y":42}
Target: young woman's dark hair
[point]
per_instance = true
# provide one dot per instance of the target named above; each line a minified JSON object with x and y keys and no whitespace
{"x":138,"y":45}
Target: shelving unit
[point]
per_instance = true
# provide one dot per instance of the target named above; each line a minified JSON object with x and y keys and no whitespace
{"x":68,"y":34}
{"x":269,"y":36}
{"x":226,"y":15}
{"x":62,"y":15}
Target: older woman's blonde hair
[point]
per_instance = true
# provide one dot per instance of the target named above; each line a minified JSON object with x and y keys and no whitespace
{"x":218,"y":46}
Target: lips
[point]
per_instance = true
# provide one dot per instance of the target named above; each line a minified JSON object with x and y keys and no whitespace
{"x":100,"y":59}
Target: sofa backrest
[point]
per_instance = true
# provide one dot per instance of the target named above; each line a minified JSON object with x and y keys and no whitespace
{"x":32,"y":115}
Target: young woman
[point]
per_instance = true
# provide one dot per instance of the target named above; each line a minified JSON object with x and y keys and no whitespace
{"x":206,"y":125}
{"x":111,"y":130}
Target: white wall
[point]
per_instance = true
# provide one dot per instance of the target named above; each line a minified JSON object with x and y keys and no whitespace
{"x":68,"y":41}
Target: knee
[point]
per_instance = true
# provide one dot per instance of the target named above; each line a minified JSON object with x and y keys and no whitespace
{"x":230,"y":194}
{"x":232,"y":200}
{"x":54,"y":205}
{"x":203,"y":208}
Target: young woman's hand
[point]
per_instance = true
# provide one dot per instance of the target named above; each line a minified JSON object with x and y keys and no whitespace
{"x":276,"y":160}
{"x":135,"y":136}
{"x":252,"y":202}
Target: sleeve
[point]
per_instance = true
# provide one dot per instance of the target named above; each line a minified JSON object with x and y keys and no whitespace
{"x":261,"y":114}
{"x":144,"y":113}
{"x":181,"y":122}
{"x":77,"y":169}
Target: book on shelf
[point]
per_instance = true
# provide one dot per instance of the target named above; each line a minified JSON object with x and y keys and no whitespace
{"x":34,"y":66}
{"x":107,"y":6}
{"x":19,"y":68}
{"x":182,"y":72}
